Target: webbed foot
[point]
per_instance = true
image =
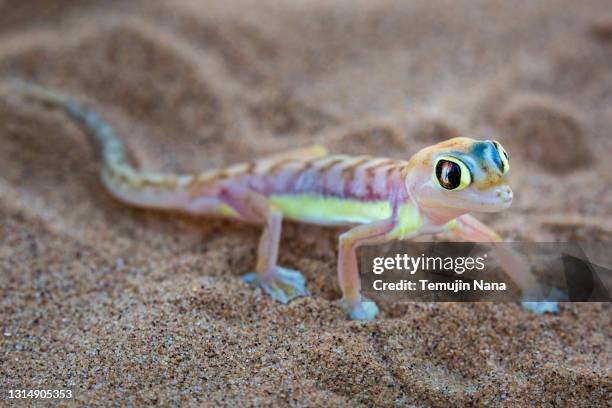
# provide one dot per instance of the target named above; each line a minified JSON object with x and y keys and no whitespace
{"x":549,"y":305}
{"x":362,"y":309}
{"x":283,"y":285}
{"x":541,"y":307}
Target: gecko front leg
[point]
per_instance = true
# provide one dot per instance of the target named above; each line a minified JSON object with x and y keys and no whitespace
{"x":356,"y":306}
{"x":282,"y":284}
{"x":469,"y":228}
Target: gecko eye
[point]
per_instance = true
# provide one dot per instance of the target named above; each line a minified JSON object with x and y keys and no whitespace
{"x":503,"y":156}
{"x":452,"y":174}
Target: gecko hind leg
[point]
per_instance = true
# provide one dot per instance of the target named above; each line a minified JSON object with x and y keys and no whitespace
{"x":282,"y":284}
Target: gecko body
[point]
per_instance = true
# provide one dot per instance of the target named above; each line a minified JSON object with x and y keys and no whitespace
{"x":381,"y":199}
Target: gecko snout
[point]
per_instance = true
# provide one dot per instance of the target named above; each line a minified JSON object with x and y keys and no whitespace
{"x":504,"y":193}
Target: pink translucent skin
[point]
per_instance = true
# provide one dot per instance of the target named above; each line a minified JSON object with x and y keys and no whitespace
{"x":243,"y":191}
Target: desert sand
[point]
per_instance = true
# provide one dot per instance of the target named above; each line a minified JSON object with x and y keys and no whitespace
{"x":136,"y":307}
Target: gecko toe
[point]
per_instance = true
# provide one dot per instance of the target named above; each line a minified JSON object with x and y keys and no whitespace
{"x":283,"y":285}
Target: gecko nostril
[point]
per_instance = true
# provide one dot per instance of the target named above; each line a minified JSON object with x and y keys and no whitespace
{"x":504,"y":193}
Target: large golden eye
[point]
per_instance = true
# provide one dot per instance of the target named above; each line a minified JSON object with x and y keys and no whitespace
{"x":452,"y":173}
{"x":503,"y":155}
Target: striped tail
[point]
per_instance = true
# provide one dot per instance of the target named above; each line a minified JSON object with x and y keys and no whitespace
{"x":123,"y":180}
{"x":108,"y":145}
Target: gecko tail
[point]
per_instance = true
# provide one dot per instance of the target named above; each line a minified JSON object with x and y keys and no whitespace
{"x":109,"y":147}
{"x":36,"y":92}
{"x":121,"y":178}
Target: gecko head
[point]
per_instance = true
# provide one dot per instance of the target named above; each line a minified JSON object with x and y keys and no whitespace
{"x":460,"y":175}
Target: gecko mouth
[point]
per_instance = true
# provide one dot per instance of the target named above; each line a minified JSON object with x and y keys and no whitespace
{"x":495,"y":199}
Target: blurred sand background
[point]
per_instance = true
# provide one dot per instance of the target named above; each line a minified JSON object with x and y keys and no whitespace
{"x":127,"y":306}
